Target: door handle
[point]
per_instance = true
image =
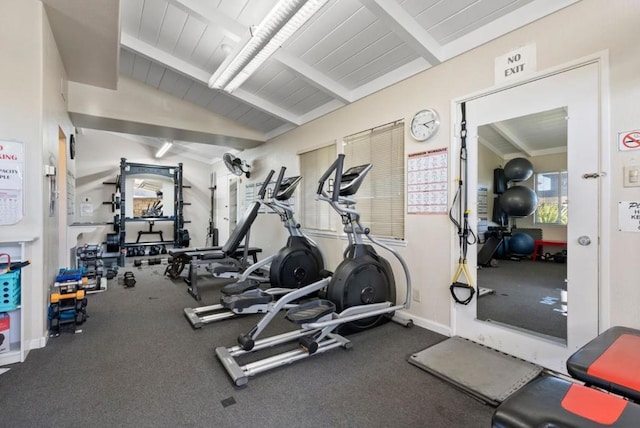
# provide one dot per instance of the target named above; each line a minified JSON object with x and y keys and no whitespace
{"x":584,"y":240}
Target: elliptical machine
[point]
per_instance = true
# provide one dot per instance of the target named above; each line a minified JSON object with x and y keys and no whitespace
{"x":297,"y":264}
{"x":359,"y":295}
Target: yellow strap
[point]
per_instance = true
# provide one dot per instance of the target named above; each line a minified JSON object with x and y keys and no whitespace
{"x":463,"y":269}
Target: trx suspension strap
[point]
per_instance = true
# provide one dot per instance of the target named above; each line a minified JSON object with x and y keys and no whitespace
{"x":466,"y":236}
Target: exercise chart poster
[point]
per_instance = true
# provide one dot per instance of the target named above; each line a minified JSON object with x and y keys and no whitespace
{"x":11,"y":182}
{"x":427,"y":182}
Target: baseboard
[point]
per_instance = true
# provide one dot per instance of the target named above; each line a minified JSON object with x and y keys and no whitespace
{"x":428,"y":324}
{"x":37,"y":343}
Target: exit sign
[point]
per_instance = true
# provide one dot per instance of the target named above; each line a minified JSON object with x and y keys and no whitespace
{"x":516,"y":64}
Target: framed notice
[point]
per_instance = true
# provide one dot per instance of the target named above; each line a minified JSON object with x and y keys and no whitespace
{"x":427,"y":178}
{"x":11,"y":182}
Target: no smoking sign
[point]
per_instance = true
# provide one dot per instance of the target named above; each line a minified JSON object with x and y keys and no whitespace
{"x":629,"y":140}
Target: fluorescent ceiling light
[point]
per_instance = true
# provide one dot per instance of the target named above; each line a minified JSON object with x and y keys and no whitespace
{"x":164,"y":149}
{"x":280,"y":23}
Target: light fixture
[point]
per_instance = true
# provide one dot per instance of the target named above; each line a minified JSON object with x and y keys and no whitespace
{"x":164,"y":149}
{"x":280,"y":23}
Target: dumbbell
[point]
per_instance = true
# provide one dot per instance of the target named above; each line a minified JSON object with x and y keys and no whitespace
{"x":129,"y":279}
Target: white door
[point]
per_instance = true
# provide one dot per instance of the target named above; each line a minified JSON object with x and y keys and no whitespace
{"x":576,"y":90}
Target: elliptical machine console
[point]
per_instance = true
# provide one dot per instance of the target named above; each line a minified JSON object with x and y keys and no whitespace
{"x":359,"y":295}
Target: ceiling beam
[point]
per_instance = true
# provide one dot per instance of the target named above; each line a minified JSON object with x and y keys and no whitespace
{"x":313,"y":76}
{"x":265,"y":106}
{"x":400,"y":22}
{"x":512,"y":138}
{"x":209,"y":13}
{"x":163,"y":58}
{"x":499,"y":27}
{"x":405,"y":71}
{"x":167,"y":60}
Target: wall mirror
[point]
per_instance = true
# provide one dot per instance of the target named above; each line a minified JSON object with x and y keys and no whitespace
{"x":522,"y":223}
{"x":149,"y":196}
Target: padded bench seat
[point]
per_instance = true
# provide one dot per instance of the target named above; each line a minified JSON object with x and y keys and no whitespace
{"x":218,"y":255}
{"x":554,"y":402}
{"x":181,"y":251}
{"x":611,"y":361}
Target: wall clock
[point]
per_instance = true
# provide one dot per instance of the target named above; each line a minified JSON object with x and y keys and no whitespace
{"x":72,"y":147}
{"x":424,"y":124}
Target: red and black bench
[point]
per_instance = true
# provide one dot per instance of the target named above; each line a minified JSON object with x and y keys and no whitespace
{"x":553,"y":402}
{"x":611,"y":361}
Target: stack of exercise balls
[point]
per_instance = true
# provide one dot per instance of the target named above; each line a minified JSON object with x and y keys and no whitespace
{"x":519,"y":201}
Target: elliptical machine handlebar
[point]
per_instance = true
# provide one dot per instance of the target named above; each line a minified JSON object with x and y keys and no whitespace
{"x":337,"y":167}
{"x":263,"y":188}
{"x":276,"y":188}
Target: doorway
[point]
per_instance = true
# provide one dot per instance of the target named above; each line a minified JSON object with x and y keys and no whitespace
{"x":232,"y":203}
{"x":60,"y":199}
{"x":574,"y":90}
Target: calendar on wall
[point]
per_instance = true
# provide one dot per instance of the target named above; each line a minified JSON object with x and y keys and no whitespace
{"x":11,"y":182}
{"x":427,"y":178}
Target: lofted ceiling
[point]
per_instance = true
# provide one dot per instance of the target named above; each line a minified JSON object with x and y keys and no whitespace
{"x":349,"y":49}
{"x":532,"y":135}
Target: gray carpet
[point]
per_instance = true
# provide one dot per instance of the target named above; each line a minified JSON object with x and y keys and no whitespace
{"x":527,"y":296}
{"x":138,"y":363}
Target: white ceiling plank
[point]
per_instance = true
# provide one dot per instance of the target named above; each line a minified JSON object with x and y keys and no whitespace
{"x":503,"y":25}
{"x":209,"y":13}
{"x":126,"y":62}
{"x":414,"y":67}
{"x":266,"y":106}
{"x":407,"y":28}
{"x":140,"y":68}
{"x":279,"y":130}
{"x":321,"y":111}
{"x":151,"y":20}
{"x":163,"y":58}
{"x":174,"y":21}
{"x":511,"y":138}
{"x":156,"y":72}
{"x":312,"y":76}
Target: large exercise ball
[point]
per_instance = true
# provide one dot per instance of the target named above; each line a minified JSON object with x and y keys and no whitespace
{"x":519,"y":201}
{"x":518,"y":169}
{"x":521,"y":244}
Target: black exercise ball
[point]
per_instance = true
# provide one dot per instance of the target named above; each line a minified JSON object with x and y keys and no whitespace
{"x":519,"y":201}
{"x":518,"y":169}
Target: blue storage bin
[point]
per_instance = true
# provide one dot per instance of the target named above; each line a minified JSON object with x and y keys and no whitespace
{"x":9,"y":291}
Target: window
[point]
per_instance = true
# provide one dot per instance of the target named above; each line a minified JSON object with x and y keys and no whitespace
{"x":381,"y":197}
{"x":314,"y":214}
{"x":551,"y":188}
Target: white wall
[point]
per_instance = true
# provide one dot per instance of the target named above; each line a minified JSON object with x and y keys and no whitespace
{"x":98,"y":161}
{"x":583,"y":29}
{"x":31,"y":109}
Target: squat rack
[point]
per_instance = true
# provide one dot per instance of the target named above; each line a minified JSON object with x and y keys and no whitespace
{"x":179,"y":233}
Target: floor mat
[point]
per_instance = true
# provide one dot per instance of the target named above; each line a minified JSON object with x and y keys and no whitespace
{"x":485,"y":373}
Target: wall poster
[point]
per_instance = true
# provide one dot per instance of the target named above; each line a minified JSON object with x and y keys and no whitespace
{"x":427,"y":178}
{"x":11,"y":182}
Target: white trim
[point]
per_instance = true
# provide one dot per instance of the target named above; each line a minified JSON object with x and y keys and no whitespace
{"x":425,"y":323}
{"x":605,"y":193}
{"x":600,"y":58}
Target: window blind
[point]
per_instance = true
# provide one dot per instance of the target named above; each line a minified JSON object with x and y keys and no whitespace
{"x":381,"y":196}
{"x":315,"y":215}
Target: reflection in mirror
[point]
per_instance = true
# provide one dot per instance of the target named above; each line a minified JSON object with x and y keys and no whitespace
{"x":149,"y":196}
{"x":522,"y":223}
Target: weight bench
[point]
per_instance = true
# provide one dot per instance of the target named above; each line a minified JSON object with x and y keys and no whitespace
{"x":230,"y":259}
{"x":553,"y":402}
{"x":611,"y":361}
